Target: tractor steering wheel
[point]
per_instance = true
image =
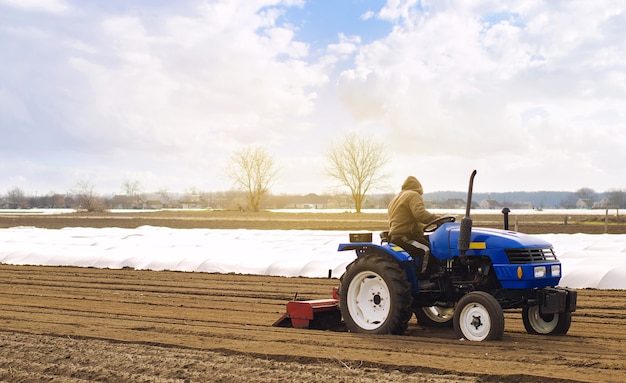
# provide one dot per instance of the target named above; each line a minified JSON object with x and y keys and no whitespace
{"x":435,"y":224}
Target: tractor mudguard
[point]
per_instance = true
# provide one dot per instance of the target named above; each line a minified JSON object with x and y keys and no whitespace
{"x":406,"y":261}
{"x":362,"y":248}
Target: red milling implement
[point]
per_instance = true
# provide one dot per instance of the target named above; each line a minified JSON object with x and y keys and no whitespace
{"x":319,"y":314}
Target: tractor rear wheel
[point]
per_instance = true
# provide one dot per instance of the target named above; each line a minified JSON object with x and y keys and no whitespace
{"x":478,"y":317}
{"x":547,"y":324}
{"x":375,"y":296}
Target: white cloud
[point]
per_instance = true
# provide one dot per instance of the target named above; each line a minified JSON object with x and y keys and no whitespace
{"x":52,"y":6}
{"x":347,"y":46}
{"x":170,"y":90}
{"x":214,"y":73}
{"x":191,"y":85}
{"x":466,"y":78}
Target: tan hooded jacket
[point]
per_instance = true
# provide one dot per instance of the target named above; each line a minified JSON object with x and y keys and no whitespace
{"x":407,"y":213}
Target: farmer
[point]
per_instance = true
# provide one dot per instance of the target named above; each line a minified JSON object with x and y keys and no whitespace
{"x":407,"y":218}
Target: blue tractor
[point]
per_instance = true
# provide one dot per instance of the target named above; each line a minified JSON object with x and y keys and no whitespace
{"x":482,"y":272}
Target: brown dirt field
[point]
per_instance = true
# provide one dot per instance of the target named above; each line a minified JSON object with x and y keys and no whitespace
{"x":531,"y":224}
{"x":63,"y":324}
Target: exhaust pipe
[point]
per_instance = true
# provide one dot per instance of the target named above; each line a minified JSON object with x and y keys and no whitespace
{"x":506,"y":212}
{"x":466,"y":224}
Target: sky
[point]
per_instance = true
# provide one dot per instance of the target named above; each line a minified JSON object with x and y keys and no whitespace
{"x":532,"y":94}
{"x":588,"y":260}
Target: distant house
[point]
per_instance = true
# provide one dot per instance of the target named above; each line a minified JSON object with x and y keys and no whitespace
{"x":602,"y":204}
{"x":584,"y":203}
{"x":309,"y":201}
{"x":490,"y":204}
{"x":120,"y":201}
{"x":342,"y":201}
{"x":199,"y":203}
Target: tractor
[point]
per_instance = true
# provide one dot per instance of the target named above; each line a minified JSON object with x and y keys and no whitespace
{"x":482,"y":271}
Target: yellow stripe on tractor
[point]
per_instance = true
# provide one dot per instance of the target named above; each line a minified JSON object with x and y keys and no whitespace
{"x":477,"y":245}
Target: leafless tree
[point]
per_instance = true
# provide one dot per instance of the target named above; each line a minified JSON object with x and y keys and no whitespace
{"x":86,"y":196}
{"x":165,"y":196}
{"x":252,"y":169}
{"x":617,"y":198}
{"x":16,"y":197}
{"x":131,"y":187}
{"x":355,"y":162}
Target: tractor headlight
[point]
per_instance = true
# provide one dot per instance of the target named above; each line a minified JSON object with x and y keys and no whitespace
{"x":556,"y":270}
{"x":540,"y":272}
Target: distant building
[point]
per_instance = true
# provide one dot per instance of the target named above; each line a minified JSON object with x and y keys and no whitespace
{"x":490,"y":204}
{"x":309,"y":201}
{"x":602,"y":204}
{"x":121,"y":201}
{"x":342,"y":201}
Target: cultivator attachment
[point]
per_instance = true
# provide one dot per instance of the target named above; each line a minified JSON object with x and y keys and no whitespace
{"x":319,"y":314}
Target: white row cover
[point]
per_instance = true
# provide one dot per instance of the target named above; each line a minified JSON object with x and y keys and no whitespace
{"x":589,"y":261}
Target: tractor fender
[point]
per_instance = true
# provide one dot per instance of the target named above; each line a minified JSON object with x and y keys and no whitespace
{"x":406,"y":261}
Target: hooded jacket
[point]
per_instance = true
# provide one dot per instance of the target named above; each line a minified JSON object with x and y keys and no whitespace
{"x":407,"y":213}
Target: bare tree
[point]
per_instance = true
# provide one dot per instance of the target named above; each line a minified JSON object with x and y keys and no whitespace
{"x":16,"y":197}
{"x":165,"y":196}
{"x":86,"y":196}
{"x":253,"y":169}
{"x":131,"y":189}
{"x":617,"y":198}
{"x":355,"y":162}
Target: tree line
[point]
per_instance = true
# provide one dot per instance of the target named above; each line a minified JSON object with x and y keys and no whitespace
{"x":354,"y":162}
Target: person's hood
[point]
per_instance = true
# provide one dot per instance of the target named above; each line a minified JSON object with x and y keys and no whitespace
{"x":411,"y":183}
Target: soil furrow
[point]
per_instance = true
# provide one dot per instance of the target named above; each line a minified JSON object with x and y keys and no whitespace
{"x":209,"y":312}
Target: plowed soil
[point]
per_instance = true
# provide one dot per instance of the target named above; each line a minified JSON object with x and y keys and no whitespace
{"x":62,"y":324}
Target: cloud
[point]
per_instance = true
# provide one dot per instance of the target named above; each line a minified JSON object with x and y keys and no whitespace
{"x":203,"y":78}
{"x":181,"y":83}
{"x":540,"y":82}
{"x":51,"y":6}
{"x":168,"y":90}
{"x":228,"y":69}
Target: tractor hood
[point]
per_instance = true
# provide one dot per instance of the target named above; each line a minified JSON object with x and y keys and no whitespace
{"x":444,"y":241}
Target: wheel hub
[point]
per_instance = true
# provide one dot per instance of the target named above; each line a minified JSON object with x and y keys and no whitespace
{"x":476,"y":322}
{"x":377,"y":299}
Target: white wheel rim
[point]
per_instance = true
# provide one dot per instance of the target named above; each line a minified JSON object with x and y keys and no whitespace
{"x":439,"y":314}
{"x":539,"y":324}
{"x":369,"y":300}
{"x":475,"y":322}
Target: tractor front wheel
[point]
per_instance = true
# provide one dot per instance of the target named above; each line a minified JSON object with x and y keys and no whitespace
{"x":478,"y":317}
{"x":547,"y":324}
{"x":374,"y":296}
